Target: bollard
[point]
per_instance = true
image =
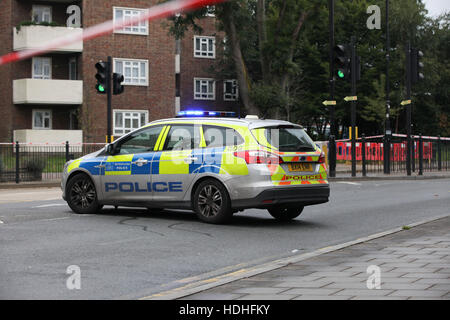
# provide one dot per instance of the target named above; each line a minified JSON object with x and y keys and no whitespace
{"x":413,"y":154}
{"x":420,"y":155}
{"x":439,"y":154}
{"x":363,"y":155}
{"x":17,"y":162}
{"x":332,"y":156}
{"x":67,"y":151}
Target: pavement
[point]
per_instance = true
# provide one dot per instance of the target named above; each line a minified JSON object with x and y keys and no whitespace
{"x":412,"y":264}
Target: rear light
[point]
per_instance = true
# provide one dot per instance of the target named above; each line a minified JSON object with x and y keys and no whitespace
{"x":259,"y":156}
{"x":322,"y":158}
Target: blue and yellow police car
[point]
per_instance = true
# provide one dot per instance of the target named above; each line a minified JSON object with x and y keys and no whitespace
{"x":213,"y":163}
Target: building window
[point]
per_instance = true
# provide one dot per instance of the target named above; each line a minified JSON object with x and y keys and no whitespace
{"x":204,"y":89}
{"x":41,"y":14}
{"x":230,"y":90}
{"x":210,"y":11}
{"x":42,"y":68}
{"x":204,"y":47}
{"x":126,"y":121}
{"x":125,"y":14}
{"x":42,"y":119}
{"x":73,"y":75}
{"x":135,"y":72}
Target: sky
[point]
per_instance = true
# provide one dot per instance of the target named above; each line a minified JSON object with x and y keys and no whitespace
{"x":436,"y":7}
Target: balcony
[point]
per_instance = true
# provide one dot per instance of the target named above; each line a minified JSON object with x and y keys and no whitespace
{"x":32,"y":37}
{"x":38,"y":91}
{"x":52,"y":137}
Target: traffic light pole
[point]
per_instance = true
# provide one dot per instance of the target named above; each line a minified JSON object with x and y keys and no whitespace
{"x":333,"y":131}
{"x":353,"y":104}
{"x":388,"y":131}
{"x":109,"y":99}
{"x":408,"y":109}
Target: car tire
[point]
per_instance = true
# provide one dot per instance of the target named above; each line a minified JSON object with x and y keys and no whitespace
{"x":82,"y":195}
{"x":211,"y":202}
{"x":285,"y":213}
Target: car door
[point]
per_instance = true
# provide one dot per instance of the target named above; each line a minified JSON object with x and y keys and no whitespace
{"x":173,"y":167}
{"x":127,"y":173}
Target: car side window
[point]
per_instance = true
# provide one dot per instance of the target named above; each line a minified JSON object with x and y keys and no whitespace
{"x":182,"y":137}
{"x":141,"y":141}
{"x":216,"y":136}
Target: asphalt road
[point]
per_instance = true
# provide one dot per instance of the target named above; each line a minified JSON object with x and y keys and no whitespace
{"x":132,"y":253}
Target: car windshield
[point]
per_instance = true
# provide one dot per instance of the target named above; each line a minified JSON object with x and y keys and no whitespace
{"x":285,"y":138}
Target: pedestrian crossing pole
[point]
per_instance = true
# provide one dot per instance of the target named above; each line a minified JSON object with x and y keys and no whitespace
{"x":109,"y":100}
{"x":353,"y":104}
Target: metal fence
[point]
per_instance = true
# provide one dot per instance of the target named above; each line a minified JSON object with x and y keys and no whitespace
{"x":427,"y":154}
{"x":36,"y":162}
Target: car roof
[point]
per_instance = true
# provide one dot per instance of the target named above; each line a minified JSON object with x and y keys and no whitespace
{"x":251,"y":123}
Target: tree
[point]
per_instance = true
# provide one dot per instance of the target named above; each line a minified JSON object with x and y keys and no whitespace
{"x":278,"y":51}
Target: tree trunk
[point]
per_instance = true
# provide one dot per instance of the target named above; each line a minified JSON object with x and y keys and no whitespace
{"x":241,"y":70}
{"x":294,"y":37}
{"x":262,"y":37}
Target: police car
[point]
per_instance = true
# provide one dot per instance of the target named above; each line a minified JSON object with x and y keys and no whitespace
{"x":210,"y":162}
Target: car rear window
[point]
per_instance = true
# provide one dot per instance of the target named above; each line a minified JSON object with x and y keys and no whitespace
{"x":285,"y":138}
{"x":216,"y":136}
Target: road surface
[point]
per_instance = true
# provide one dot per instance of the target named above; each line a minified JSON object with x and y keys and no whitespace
{"x":132,"y":253}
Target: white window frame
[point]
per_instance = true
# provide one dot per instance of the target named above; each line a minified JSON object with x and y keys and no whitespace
{"x":230,"y":96}
{"x":41,"y":76}
{"x":49,"y":122}
{"x":44,"y":9}
{"x":119,"y":131}
{"x":133,"y":12}
{"x":198,"y":53}
{"x":125,"y":61}
{"x":200,"y":95}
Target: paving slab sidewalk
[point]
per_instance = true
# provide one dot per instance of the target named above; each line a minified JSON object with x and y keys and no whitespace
{"x":413,"y":264}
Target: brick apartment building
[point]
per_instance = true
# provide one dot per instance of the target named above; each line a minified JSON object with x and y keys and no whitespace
{"x":52,"y":98}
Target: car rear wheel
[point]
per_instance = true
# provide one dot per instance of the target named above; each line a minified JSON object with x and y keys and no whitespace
{"x":212,"y":202}
{"x":81,"y":195}
{"x":285,"y":213}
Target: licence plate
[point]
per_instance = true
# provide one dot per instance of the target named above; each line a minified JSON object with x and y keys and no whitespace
{"x":300,"y":167}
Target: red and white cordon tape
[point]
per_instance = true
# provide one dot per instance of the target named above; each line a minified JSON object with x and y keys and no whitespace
{"x":162,"y":10}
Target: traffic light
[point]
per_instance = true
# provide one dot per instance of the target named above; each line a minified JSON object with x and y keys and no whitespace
{"x":117,"y":83}
{"x":416,"y":66}
{"x":102,"y":77}
{"x":342,"y":61}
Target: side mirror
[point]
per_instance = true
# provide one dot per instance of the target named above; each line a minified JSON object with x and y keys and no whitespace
{"x":110,"y":149}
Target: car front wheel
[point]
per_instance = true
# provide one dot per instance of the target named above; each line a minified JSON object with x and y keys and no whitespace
{"x":212,"y":202}
{"x":81,"y":195}
{"x":285,"y":213}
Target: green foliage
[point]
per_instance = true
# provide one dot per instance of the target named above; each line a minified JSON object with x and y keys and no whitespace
{"x":35,"y":165}
{"x":268,"y":98}
{"x":32,"y":23}
{"x":288,"y":75}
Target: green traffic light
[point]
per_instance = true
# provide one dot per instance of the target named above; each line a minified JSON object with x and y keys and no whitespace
{"x":340,"y":74}
{"x":100,"y":88}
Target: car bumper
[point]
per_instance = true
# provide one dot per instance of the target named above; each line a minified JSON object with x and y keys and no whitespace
{"x":291,"y":196}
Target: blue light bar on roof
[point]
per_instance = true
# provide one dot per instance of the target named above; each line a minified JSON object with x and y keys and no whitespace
{"x":200,"y":113}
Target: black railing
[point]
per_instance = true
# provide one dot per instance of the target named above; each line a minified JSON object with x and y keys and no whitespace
{"x":21,"y":162}
{"x":427,"y":154}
